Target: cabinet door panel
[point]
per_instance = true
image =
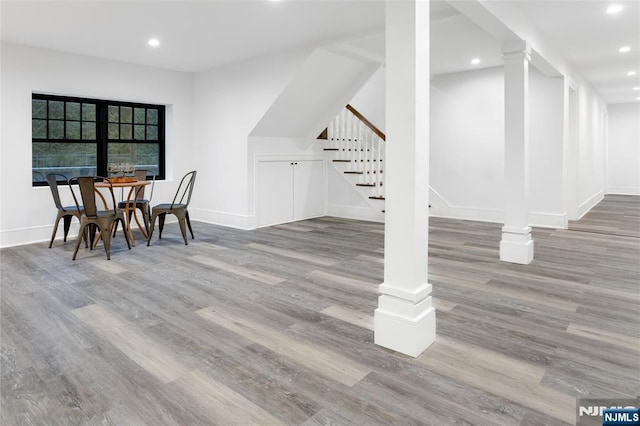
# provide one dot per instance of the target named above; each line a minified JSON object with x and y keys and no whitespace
{"x":308,"y":189}
{"x":275,"y":192}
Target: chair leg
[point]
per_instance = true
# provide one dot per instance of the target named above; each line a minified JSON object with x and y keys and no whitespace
{"x":161,"y":223}
{"x":124,"y":231}
{"x":183,"y":228}
{"x":106,"y":242}
{"x":92,"y":235}
{"x":152,"y":224}
{"x":145,"y":219}
{"x":67,"y":224}
{"x":55,"y":229}
{"x":80,"y":234}
{"x":189,"y":224}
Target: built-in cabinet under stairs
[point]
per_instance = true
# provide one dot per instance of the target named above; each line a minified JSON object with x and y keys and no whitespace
{"x":356,"y":149}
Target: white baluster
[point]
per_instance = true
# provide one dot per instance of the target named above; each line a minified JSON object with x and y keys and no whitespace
{"x":379,"y":168}
{"x":369,"y":156}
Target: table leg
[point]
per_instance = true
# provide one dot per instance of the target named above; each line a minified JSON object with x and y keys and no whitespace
{"x":127,"y":209}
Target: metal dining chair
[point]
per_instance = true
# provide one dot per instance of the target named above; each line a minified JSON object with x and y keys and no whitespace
{"x":64,"y":212}
{"x":93,"y":218}
{"x":140,"y":202}
{"x":177,"y":207}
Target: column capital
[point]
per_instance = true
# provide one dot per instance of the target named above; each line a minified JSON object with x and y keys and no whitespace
{"x":516,"y":50}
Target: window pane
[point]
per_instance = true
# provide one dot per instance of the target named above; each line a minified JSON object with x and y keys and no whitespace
{"x":152,"y":133}
{"x":139,"y":115}
{"x":73,"y":130}
{"x":70,"y":159}
{"x":38,"y":108}
{"x":126,"y":114}
{"x":56,"y":129}
{"x":152,"y":116}
{"x":88,"y":131}
{"x":73,"y":111}
{"x":56,"y":110}
{"x":114,"y":131}
{"x":39,"y":129}
{"x":114,"y":114}
{"x":126,"y":131}
{"x":138,"y":132}
{"x":88,"y":112}
{"x":143,"y":155}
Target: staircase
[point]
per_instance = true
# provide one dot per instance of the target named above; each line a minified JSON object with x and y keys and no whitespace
{"x":356,"y":149}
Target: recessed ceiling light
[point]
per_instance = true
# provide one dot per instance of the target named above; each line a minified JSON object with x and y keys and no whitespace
{"x":631,"y":73}
{"x":154,"y":42}
{"x":636,"y":88}
{"x":475,"y":61}
{"x":624,"y":49}
{"x":614,"y":8}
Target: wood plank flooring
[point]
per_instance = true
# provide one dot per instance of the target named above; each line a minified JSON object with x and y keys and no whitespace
{"x":275,"y":327}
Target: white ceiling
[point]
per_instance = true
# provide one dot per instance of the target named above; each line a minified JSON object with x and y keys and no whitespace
{"x":197,"y":35}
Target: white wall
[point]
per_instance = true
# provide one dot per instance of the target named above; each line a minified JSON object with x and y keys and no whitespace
{"x":467,"y":145}
{"x":25,"y":70}
{"x":546,"y":191}
{"x":623,"y":149}
{"x":240,"y":116}
{"x":370,"y":100}
{"x":591,"y":150}
{"x":467,"y":149}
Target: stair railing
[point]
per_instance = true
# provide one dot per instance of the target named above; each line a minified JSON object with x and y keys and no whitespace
{"x":361,"y":145}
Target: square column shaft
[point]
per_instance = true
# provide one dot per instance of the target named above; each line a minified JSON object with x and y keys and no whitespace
{"x":516,"y":245}
{"x":405,"y":317}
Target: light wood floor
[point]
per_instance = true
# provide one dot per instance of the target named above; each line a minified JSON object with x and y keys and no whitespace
{"x":274,"y":326}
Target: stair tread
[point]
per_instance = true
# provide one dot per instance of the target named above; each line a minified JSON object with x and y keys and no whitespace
{"x":354,"y":172}
{"x":365,"y":184}
{"x":377,"y":197}
{"x":331,"y":149}
{"x":341,"y":161}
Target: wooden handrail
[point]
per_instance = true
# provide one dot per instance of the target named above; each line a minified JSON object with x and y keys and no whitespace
{"x":362,"y":118}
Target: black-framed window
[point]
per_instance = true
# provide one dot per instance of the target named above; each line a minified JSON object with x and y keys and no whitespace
{"x":80,"y":136}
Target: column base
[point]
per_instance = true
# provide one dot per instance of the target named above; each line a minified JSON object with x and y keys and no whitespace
{"x":403,"y":325}
{"x":516,"y":246}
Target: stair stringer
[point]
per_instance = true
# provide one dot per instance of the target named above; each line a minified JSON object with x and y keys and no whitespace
{"x":377,"y":206}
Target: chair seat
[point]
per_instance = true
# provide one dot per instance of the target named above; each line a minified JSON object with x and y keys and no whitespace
{"x":123,"y":204}
{"x":72,"y":208}
{"x":168,"y":206}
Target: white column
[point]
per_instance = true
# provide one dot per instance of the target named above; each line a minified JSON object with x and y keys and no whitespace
{"x":405,"y":320}
{"x":516,"y":245}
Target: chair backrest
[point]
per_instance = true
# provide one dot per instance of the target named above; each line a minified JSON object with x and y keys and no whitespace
{"x":185,"y":189}
{"x":88,"y":192}
{"x":141,"y":174}
{"x":52,"y":180}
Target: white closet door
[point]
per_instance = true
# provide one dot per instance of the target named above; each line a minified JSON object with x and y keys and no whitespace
{"x":275,"y":192}
{"x":308,"y":189}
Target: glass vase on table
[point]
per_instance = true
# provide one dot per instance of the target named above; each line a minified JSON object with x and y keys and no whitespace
{"x":128,"y":169}
{"x":113,"y":169}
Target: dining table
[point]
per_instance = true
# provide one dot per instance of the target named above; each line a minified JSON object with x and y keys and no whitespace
{"x":134,"y":186}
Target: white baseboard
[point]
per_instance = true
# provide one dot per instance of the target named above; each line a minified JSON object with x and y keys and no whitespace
{"x":590,"y":203}
{"x":35,"y":234}
{"x":42,"y":233}
{"x":358,"y":213}
{"x":549,"y":220}
{"x":623,"y":190}
{"x":440,"y":207}
{"x":231,"y":220}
